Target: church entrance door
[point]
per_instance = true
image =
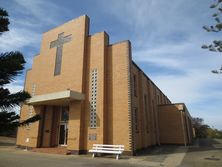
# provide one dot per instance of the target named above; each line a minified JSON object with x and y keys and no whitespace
{"x":63,"y":127}
{"x":63,"y":133}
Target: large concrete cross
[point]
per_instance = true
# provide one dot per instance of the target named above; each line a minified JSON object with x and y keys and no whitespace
{"x":59,"y":47}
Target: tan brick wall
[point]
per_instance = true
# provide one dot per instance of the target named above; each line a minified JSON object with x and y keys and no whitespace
{"x":42,"y":72}
{"x":25,"y":132}
{"x":74,"y":126}
{"x":73,"y":53}
{"x":175,"y":124}
{"x":47,"y":127}
{"x":148,"y":130}
{"x":118,"y":94}
{"x":170,"y":125}
{"x":96,"y":53}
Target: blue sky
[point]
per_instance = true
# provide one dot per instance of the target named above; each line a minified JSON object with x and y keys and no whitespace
{"x":166,"y":39}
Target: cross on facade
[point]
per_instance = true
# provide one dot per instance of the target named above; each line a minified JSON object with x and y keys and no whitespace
{"x":59,"y":47}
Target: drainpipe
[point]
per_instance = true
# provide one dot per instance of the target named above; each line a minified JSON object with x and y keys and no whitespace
{"x":182,"y":123}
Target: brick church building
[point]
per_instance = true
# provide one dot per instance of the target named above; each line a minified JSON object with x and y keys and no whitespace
{"x":88,"y":91}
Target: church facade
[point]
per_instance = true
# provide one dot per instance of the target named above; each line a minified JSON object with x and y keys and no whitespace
{"x":88,"y":91}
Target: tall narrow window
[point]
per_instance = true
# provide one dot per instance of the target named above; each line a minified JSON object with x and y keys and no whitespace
{"x":146,"y":113}
{"x":135,"y":85}
{"x":136,"y":120}
{"x":93,"y":101}
{"x":158,"y":99}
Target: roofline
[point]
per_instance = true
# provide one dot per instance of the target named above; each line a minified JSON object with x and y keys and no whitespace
{"x":85,"y":15}
{"x":149,"y":79}
{"x":184,"y":108}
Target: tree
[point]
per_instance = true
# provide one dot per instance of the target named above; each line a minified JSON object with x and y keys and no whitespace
{"x":4,"y":21}
{"x":8,"y":122}
{"x":11,"y":65}
{"x":205,"y":131}
{"x":201,"y":129}
{"x":216,"y":45}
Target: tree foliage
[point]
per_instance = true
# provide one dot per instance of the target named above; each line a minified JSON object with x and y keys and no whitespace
{"x":4,"y":21}
{"x":216,"y":45}
{"x":205,"y":131}
{"x":11,"y":65}
{"x":8,"y":122}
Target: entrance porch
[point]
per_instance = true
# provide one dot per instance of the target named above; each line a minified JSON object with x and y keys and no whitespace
{"x":54,"y":126}
{"x":60,"y":119}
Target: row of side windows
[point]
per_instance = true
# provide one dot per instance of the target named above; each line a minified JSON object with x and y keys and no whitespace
{"x":136,"y":117}
{"x":145,"y":100}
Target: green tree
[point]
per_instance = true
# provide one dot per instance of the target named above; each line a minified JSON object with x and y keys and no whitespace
{"x":11,"y":65}
{"x":216,"y":45}
{"x":201,"y":129}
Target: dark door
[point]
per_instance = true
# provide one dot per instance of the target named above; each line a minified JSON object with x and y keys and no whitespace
{"x":62,"y":134}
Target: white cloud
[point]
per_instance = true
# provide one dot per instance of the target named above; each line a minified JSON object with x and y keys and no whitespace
{"x":170,"y":35}
{"x":44,"y":12}
{"x":27,"y":25}
{"x":190,"y":88}
{"x":17,"y":38}
{"x":13,"y":87}
{"x":165,"y":55}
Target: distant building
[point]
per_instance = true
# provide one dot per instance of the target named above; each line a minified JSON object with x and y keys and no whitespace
{"x":89,"y":91}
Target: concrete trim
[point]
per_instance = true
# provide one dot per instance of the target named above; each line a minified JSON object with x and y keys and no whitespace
{"x":67,"y":95}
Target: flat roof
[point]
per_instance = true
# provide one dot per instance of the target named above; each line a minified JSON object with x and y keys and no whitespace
{"x":184,"y":108}
{"x":56,"y":98}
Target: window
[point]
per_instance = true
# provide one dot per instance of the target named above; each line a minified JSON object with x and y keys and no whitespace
{"x":93,"y":105}
{"x":136,"y":120}
{"x":65,"y":114}
{"x":158,"y":101}
{"x":135,"y":85}
{"x":146,"y":113}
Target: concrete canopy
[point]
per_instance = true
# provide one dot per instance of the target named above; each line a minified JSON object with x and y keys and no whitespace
{"x":57,"y":98}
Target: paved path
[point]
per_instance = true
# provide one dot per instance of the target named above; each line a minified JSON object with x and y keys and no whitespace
{"x":20,"y":158}
{"x":175,"y":158}
{"x":206,"y":152}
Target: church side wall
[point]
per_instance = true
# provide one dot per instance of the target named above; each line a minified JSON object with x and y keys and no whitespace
{"x":145,"y":98}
